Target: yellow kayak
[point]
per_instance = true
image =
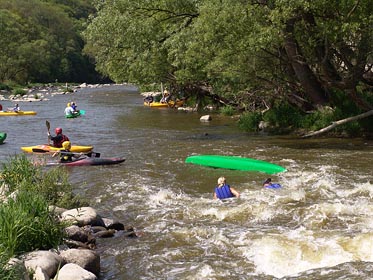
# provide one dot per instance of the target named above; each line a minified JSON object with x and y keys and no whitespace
{"x":171,"y":104}
{"x":19,"y":113}
{"x":49,"y":148}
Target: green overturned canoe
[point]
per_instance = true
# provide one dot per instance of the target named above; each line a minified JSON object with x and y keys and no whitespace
{"x":2,"y":137}
{"x":235,"y":163}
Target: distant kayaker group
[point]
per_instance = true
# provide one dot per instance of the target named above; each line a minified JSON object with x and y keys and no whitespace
{"x":71,"y":109}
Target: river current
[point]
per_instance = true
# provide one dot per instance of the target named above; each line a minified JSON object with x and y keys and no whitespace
{"x":318,"y":226}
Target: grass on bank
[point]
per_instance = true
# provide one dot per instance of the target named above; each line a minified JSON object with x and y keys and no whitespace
{"x":26,"y":223}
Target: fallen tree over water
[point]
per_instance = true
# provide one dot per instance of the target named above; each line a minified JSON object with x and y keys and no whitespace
{"x":340,"y":122}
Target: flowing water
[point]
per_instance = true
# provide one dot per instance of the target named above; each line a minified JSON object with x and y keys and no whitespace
{"x":318,"y":226}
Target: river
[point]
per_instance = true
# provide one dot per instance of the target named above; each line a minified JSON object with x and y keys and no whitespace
{"x":318,"y":226}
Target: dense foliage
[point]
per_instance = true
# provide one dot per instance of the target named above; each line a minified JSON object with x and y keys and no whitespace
{"x":246,"y":53}
{"x":40,"y":41}
{"x":250,"y":55}
{"x":26,"y":222}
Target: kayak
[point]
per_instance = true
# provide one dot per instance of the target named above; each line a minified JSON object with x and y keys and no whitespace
{"x":2,"y":137}
{"x":73,"y":116}
{"x":89,"y":161}
{"x":170,"y":104}
{"x":49,"y":148}
{"x":77,"y":114}
{"x":19,"y":113}
{"x":235,"y":163}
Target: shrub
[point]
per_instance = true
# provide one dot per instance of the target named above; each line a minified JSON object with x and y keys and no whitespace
{"x":21,"y":174}
{"x":227,"y":110}
{"x":283,"y":115}
{"x":16,"y":170}
{"x":4,"y":87}
{"x":19,"y":91}
{"x":249,"y":121}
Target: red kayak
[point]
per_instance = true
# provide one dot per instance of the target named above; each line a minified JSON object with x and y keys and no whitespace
{"x":90,"y":161}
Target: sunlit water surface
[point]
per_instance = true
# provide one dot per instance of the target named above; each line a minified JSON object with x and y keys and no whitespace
{"x":318,"y":226}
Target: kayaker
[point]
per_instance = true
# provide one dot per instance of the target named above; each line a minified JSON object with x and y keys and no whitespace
{"x":223,"y":190}
{"x":16,"y":108}
{"x":59,"y":138}
{"x":69,"y":110}
{"x":149,"y":99}
{"x":166,"y":96}
{"x":74,"y":106}
{"x":66,"y":155}
{"x":269,"y":185}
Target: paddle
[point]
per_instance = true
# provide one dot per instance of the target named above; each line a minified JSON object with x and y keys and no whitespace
{"x":89,"y":154}
{"x":48,"y":127}
{"x":82,"y":112}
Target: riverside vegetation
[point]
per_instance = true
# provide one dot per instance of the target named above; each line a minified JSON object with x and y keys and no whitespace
{"x":26,"y":223}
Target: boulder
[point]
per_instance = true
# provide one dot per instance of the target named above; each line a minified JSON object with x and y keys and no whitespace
{"x":72,"y":271}
{"x":205,"y":118}
{"x":85,"y":258}
{"x":82,"y":216}
{"x":47,"y":261}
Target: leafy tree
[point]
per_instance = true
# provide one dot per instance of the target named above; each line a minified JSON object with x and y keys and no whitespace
{"x":300,"y":50}
{"x":41,"y":42}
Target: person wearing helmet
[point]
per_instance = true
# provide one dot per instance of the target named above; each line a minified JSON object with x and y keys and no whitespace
{"x":59,"y":138}
{"x":66,"y":155}
{"x":69,"y":111}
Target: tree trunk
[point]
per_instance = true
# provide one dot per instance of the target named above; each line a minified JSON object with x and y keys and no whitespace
{"x":340,"y":122}
{"x":303,"y":73}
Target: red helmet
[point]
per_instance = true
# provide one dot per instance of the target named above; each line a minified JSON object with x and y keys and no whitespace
{"x":58,"y":130}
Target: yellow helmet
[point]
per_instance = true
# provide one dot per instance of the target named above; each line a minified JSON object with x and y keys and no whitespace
{"x":66,"y":145}
{"x":68,"y":104}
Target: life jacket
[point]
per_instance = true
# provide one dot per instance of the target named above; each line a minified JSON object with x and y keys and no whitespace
{"x":66,"y":156}
{"x":223,"y":192}
{"x":274,"y":186}
{"x":58,"y":143}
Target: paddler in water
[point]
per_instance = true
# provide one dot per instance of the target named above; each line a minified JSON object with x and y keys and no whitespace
{"x":269,"y":185}
{"x":223,"y":190}
{"x":66,"y":155}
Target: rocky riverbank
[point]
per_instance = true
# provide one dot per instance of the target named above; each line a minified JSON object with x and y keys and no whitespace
{"x":43,"y":93}
{"x":75,"y":258}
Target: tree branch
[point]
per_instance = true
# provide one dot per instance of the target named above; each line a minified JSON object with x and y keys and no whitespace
{"x":337,"y":123}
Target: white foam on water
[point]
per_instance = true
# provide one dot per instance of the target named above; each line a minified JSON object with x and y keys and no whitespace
{"x":303,"y":226}
{"x":286,"y":255}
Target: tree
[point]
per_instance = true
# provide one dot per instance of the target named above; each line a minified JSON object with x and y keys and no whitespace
{"x":303,"y":51}
{"x":40,"y":41}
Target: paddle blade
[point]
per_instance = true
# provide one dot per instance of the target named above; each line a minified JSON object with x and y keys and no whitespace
{"x":47,"y":123}
{"x":35,"y":150}
{"x":82,"y":112}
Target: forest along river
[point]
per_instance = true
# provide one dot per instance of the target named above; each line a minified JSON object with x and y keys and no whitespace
{"x":318,"y":226}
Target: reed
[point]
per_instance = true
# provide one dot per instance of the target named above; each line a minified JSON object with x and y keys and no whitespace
{"x":27,"y":224}
{"x":9,"y":272}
